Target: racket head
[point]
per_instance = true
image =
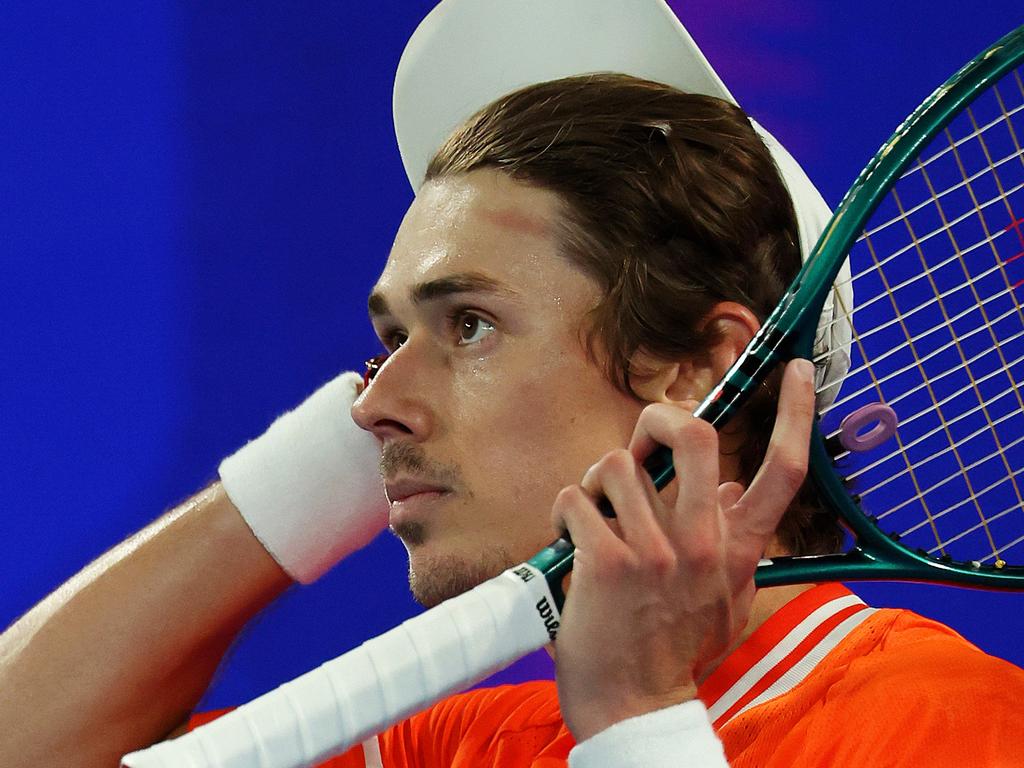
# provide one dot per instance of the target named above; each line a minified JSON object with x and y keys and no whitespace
{"x":919,"y":448}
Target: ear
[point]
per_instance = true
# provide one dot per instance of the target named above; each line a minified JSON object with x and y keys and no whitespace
{"x":733,"y":326}
{"x":655,"y":380}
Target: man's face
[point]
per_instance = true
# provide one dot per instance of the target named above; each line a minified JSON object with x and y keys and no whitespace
{"x":489,"y":403}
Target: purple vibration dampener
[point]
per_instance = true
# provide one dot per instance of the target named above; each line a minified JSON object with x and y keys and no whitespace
{"x":851,"y":431}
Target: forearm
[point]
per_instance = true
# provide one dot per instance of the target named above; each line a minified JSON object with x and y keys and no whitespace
{"x":118,"y":656}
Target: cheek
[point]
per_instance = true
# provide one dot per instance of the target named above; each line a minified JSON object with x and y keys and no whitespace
{"x":508,"y":412}
{"x":539,"y":431}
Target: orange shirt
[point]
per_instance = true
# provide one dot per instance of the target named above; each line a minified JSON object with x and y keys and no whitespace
{"x":825,"y":681}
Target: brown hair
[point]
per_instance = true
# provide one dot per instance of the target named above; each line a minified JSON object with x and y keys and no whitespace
{"x":673,"y":204}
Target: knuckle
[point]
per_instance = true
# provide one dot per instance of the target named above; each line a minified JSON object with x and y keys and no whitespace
{"x":557,"y":518}
{"x":568,"y":497}
{"x":788,"y":471}
{"x":654,"y":415}
{"x":616,"y":463}
{"x":619,"y":462}
{"x":652,"y":411}
{"x":662,"y":560}
{"x":701,"y":553}
{"x":697,"y":434}
{"x":629,"y":563}
{"x":677,"y":423}
{"x":566,"y":506}
{"x":701,"y":430}
{"x":614,"y":563}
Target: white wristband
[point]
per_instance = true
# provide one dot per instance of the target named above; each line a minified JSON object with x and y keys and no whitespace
{"x":667,"y":738}
{"x":309,"y":487}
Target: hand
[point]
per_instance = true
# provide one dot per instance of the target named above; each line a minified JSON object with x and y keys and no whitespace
{"x":661,"y":592}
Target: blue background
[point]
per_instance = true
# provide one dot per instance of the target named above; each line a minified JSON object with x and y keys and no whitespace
{"x":196,"y":197}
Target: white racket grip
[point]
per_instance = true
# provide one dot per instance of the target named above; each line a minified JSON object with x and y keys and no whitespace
{"x":350,"y":698}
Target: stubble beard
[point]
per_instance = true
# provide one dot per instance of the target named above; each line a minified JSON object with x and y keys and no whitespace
{"x":443,"y":576}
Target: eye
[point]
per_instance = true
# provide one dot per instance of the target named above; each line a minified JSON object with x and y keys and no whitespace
{"x":471,"y":328}
{"x":394,"y":339}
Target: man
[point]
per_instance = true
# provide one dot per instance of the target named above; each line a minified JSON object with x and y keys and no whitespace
{"x":523,"y":350}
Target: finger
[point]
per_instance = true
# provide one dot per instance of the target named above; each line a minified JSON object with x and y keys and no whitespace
{"x":642,"y":444}
{"x":729,"y":494}
{"x":574,"y":511}
{"x":694,"y":519}
{"x":622,"y":481}
{"x":785,"y":464}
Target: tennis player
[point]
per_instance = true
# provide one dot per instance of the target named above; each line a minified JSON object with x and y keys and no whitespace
{"x":584,"y":259}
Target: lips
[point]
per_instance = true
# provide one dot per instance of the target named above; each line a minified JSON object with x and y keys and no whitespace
{"x":402,"y":489}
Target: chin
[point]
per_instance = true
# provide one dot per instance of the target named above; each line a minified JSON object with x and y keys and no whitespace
{"x":435,"y":578}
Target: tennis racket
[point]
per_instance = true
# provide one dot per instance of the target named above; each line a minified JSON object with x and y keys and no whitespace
{"x":919,"y":452}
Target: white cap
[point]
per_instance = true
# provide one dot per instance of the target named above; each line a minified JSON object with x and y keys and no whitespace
{"x":467,"y":53}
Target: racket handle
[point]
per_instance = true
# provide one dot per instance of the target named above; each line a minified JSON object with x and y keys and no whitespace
{"x":383,"y":681}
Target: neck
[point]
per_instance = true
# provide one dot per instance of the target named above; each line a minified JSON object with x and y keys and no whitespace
{"x":766,"y":602}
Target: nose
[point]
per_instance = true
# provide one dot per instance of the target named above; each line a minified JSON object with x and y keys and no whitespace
{"x":394,"y":403}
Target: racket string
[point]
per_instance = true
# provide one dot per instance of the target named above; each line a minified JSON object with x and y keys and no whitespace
{"x":932,"y":455}
{"x":918,"y":387}
{"x":1005,"y":548}
{"x":970,"y":282}
{"x":872,"y":270}
{"x":1006,"y":115}
{"x":920,"y":414}
{"x":948,"y":191}
{"x":938,"y":337}
{"x":935,"y":232}
{"x":919,"y":308}
{"x":948,"y":510}
{"x":973,"y":529}
{"x":912,"y":347}
{"x":894,"y":509}
{"x":1005,"y":196}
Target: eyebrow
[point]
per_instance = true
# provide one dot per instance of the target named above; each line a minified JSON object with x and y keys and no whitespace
{"x":432,"y":290}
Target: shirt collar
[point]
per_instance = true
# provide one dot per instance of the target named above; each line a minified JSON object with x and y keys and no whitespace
{"x":782,"y":651}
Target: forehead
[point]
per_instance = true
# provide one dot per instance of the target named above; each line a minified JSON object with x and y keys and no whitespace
{"x":482,"y":223}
